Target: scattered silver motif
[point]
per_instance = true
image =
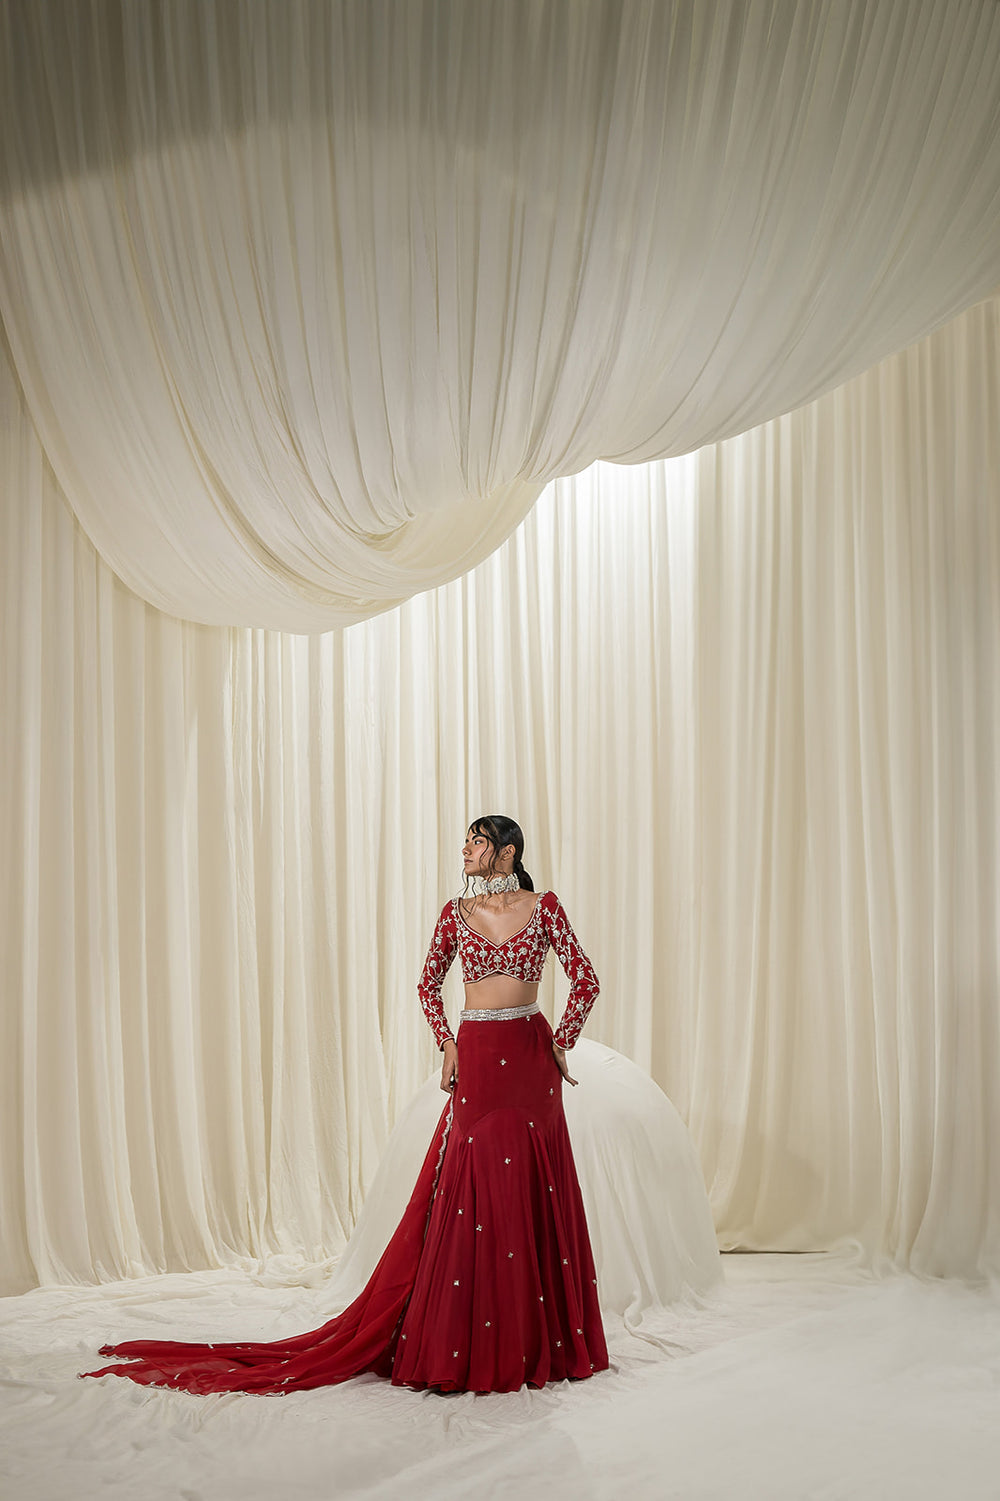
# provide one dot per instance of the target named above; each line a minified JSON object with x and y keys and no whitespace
{"x":520,"y":956}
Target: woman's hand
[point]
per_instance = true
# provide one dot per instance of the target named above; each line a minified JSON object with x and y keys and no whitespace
{"x":560,"y":1057}
{"x":449,"y":1068}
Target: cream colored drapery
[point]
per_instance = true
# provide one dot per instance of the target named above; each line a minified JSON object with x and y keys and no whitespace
{"x":309,"y":300}
{"x":747,"y":706}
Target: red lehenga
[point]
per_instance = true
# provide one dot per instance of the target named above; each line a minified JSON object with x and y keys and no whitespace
{"x":488,"y":1282}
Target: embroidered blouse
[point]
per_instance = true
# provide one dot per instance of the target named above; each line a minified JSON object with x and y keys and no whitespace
{"x":522,"y":956}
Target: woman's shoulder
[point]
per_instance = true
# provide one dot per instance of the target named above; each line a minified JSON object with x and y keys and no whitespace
{"x":552,"y":908}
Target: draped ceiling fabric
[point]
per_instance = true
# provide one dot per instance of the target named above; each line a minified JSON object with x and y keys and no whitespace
{"x":309,"y":301}
{"x":747,"y":706}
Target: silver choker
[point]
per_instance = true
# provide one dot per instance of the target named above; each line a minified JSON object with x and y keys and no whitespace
{"x":483,"y":887}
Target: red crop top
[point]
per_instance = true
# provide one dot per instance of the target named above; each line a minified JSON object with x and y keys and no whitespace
{"x":522,"y":956}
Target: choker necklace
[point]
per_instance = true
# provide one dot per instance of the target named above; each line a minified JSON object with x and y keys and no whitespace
{"x":483,"y":887}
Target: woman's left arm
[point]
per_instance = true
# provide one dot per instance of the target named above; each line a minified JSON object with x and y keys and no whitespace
{"x":583,"y":984}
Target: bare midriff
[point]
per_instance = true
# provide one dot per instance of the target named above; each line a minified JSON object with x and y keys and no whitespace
{"x":497,"y":992}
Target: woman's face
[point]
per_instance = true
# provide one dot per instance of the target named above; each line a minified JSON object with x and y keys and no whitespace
{"x":476,"y":852}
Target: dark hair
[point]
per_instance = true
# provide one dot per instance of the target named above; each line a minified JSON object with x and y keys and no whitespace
{"x":501,"y":831}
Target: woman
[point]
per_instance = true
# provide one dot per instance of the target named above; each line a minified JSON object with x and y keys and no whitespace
{"x":488,"y":1283}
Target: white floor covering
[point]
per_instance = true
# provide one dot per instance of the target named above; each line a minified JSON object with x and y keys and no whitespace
{"x":799,"y":1378}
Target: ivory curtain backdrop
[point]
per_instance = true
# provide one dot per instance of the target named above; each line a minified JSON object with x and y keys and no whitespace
{"x":747,"y":706}
{"x":309,"y":301}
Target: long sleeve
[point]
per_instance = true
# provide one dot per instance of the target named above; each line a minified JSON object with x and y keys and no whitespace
{"x":583,"y":985}
{"x":444,"y":946}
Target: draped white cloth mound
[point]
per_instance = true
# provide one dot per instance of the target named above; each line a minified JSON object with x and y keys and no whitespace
{"x":309,"y":301}
{"x":647,"y":1211}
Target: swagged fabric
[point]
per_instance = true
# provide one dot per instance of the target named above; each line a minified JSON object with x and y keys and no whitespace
{"x":309,"y":302}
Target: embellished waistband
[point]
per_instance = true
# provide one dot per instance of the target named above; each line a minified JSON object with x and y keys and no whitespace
{"x":498,"y":1013}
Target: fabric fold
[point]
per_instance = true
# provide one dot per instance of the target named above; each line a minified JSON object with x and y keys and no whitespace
{"x":311,"y":338}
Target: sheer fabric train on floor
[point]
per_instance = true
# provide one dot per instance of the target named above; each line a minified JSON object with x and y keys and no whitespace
{"x":507,"y":1241}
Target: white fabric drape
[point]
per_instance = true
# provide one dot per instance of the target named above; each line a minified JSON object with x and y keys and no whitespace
{"x":746,"y":705}
{"x":309,"y":300}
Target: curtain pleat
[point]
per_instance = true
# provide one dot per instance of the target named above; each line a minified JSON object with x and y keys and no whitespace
{"x":746,"y":706}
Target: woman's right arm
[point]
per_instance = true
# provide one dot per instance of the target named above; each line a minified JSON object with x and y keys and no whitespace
{"x":443,"y":948}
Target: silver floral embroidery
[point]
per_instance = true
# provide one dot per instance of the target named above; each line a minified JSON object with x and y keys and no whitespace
{"x":443,"y":948}
{"x":522,"y":956}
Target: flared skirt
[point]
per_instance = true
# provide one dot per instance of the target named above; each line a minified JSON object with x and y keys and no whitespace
{"x":488,"y":1282}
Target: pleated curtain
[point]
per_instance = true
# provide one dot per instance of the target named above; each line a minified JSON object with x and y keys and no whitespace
{"x":746,"y":704}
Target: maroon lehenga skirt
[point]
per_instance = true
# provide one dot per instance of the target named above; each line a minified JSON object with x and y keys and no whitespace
{"x":488,"y":1282}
